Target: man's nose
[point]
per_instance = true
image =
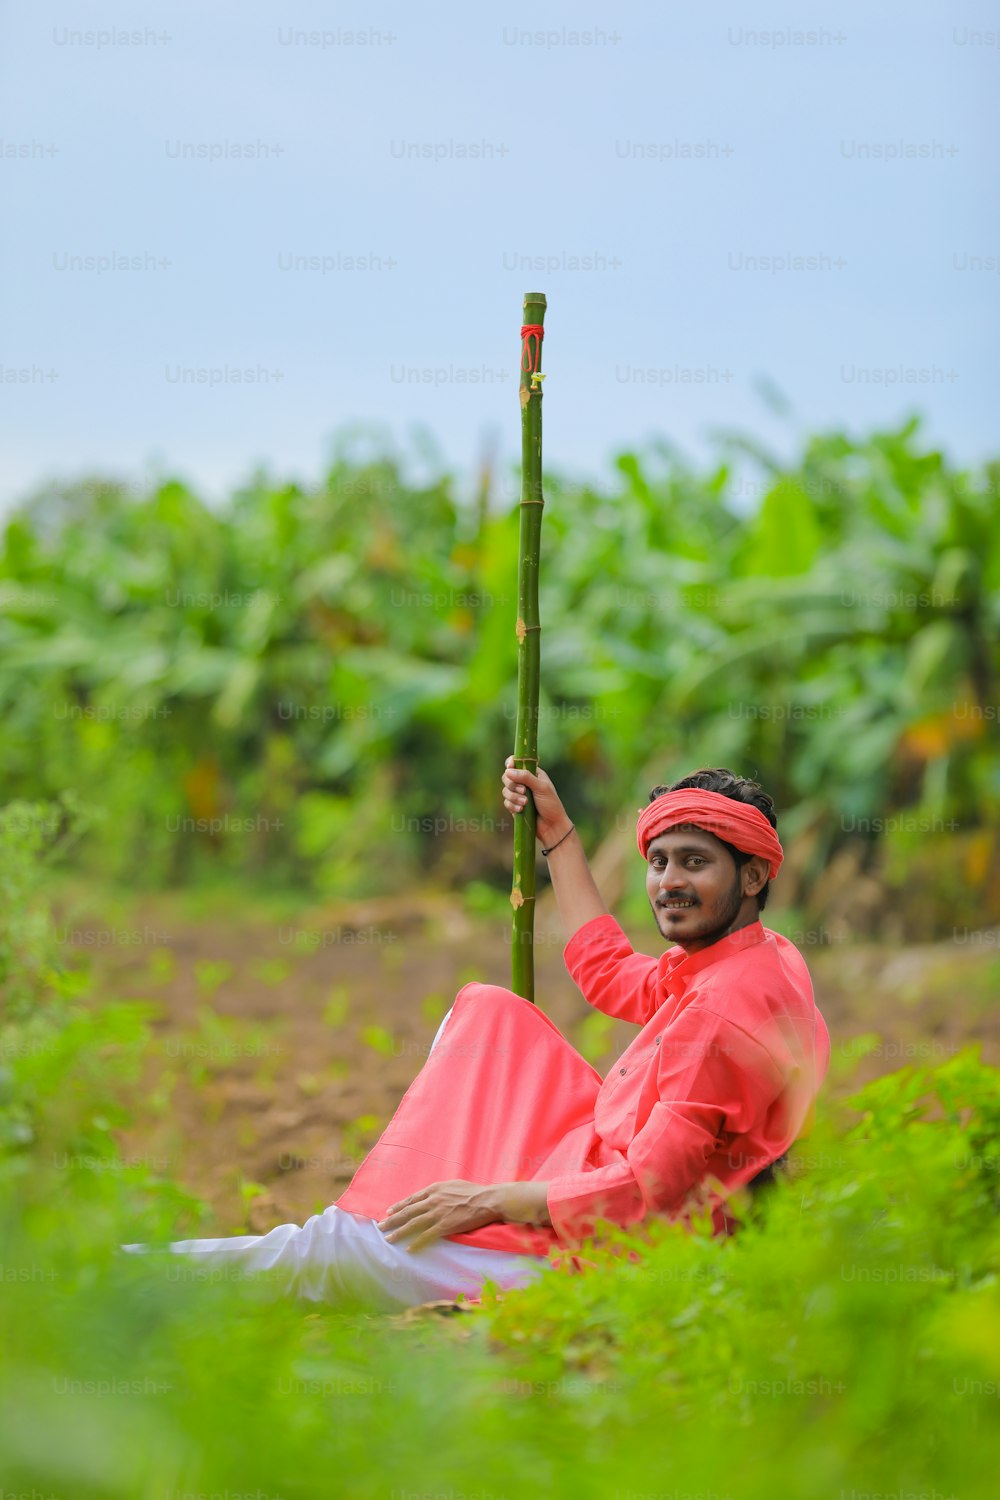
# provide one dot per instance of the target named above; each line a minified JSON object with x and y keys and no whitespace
{"x":673,"y":878}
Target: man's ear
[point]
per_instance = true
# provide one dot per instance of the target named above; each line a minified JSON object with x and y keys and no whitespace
{"x":755,"y":875}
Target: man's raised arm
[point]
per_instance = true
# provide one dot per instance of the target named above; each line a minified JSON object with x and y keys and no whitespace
{"x":577,"y":896}
{"x":609,"y":974}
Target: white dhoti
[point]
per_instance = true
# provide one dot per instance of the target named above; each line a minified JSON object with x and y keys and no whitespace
{"x":341,"y":1257}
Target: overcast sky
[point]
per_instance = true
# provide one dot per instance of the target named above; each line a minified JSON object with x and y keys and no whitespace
{"x":714,"y":194}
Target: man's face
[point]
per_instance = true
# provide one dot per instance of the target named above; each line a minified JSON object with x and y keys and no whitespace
{"x":697,"y":893}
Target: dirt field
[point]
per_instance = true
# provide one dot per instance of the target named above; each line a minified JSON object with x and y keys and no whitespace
{"x":284,"y":1042}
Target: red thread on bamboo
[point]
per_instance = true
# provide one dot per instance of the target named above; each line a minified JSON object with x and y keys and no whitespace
{"x":527,"y":329}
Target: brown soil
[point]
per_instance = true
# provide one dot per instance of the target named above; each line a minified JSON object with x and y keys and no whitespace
{"x":278,"y":1057}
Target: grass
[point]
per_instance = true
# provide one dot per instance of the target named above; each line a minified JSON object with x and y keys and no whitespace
{"x":845,"y":1343}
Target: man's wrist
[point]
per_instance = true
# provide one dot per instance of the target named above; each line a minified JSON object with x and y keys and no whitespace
{"x":522,"y":1202}
{"x":558,"y":840}
{"x":489,"y":1198}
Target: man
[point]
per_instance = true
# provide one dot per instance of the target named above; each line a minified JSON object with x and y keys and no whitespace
{"x":508,"y":1143}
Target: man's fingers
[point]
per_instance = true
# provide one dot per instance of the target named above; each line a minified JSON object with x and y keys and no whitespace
{"x":517,"y":780}
{"x":424,"y":1227}
{"x":426,"y":1235}
{"x":399,"y":1213}
{"x":404,"y":1202}
{"x":390,"y":1216}
{"x":396,"y":1227}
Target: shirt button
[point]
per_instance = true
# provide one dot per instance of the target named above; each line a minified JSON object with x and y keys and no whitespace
{"x":622,"y":1070}
{"x":657,"y":1041}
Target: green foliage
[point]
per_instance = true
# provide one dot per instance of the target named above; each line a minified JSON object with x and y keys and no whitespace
{"x":433,"y":1008}
{"x":317,"y":685}
{"x":336,"y":1008}
{"x":33,"y":836}
{"x":379,"y":1039}
{"x":211,"y":975}
{"x":844,"y":1340}
{"x":66,"y":1066}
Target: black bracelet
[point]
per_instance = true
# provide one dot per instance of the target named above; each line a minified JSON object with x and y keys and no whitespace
{"x":565,"y":836}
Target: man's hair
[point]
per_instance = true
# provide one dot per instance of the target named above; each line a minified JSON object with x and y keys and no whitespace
{"x":740,"y":789}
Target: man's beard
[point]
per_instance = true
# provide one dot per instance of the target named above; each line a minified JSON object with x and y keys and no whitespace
{"x":714,"y":927}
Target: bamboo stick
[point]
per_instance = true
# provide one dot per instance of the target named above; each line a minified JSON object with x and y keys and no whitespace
{"x":528,"y":631}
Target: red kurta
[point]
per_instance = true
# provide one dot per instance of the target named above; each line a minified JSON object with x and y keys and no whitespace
{"x":717,"y":1084}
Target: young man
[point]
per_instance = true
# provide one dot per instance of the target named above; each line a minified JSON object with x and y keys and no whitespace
{"x":508,"y":1143}
{"x":713,"y":1089}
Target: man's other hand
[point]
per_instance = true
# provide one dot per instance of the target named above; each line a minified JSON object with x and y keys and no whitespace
{"x":442,"y":1208}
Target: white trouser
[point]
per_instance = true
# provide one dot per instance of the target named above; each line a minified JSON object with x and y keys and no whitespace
{"x":337,"y":1256}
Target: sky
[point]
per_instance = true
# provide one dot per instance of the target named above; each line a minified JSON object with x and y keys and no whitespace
{"x":233,"y":232}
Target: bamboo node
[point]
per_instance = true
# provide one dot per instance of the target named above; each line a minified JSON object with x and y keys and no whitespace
{"x":525,"y":395}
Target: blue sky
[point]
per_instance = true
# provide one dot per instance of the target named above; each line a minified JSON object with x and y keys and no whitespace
{"x":365,"y":261}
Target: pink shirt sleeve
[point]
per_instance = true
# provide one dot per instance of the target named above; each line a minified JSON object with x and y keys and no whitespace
{"x":610,"y":974}
{"x":712,"y":1078}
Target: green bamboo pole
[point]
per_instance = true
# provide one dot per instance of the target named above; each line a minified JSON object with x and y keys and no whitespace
{"x":528,"y":631}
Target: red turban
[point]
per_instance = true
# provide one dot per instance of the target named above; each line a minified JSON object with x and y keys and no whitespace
{"x":737,"y":823}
